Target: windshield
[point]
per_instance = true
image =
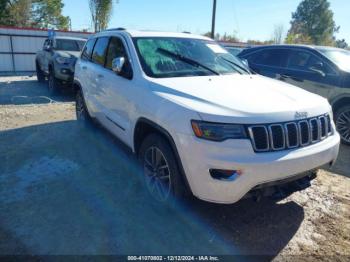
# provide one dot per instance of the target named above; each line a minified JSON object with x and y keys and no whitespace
{"x":179,"y":57}
{"x":234,"y":50}
{"x":69,"y":45}
{"x":340,"y":57}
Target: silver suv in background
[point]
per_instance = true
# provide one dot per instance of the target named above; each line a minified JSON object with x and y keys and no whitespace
{"x":57,"y":60}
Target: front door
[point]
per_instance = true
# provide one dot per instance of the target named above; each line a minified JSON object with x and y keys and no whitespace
{"x":310,"y":72}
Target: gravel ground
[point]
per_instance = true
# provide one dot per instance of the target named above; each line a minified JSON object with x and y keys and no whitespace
{"x":66,"y":189}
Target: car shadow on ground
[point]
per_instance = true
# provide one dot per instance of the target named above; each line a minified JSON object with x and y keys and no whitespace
{"x":29,"y":91}
{"x":69,"y":189}
{"x":341,"y":167}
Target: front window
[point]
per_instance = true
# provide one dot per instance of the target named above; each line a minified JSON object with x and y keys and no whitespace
{"x":340,"y":57}
{"x":180,"y":57}
{"x":69,"y":45}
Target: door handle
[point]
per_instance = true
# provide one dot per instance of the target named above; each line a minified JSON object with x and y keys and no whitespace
{"x":84,"y":67}
{"x":100,"y":76}
{"x":284,"y":76}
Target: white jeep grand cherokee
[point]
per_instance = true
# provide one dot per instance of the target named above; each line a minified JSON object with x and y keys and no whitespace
{"x":198,"y":120}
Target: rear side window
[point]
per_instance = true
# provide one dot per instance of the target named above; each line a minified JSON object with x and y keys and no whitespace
{"x":271,"y":57}
{"x":115,"y":49}
{"x":87,"y":52}
{"x":99,"y":53}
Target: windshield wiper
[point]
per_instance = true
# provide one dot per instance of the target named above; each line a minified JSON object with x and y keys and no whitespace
{"x":235,"y":64}
{"x":185,"y":59}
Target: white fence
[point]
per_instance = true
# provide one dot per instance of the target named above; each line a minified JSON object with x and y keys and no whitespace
{"x":18,"y":47}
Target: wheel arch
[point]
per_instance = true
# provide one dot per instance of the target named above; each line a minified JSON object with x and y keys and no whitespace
{"x":143,"y":128}
{"x":76,"y":85}
{"x":340,"y":101}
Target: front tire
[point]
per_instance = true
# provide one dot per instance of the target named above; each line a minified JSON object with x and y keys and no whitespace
{"x":160,"y":169}
{"x":342,"y":121}
{"x":81,"y":110}
{"x":53,"y":84}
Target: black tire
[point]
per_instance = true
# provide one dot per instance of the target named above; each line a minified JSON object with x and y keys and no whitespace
{"x":39,"y":73}
{"x":53,"y":84}
{"x":174,"y":187}
{"x":342,"y":122}
{"x":81,"y":110}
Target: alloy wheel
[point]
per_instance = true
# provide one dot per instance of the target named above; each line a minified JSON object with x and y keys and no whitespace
{"x":157,"y":174}
{"x":343,"y":125}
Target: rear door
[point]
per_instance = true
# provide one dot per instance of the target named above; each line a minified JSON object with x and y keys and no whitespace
{"x":84,"y":70}
{"x":95,"y":75}
{"x":268,"y":62}
{"x":299,"y":72}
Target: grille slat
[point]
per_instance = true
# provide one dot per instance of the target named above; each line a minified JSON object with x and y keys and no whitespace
{"x":277,"y":137}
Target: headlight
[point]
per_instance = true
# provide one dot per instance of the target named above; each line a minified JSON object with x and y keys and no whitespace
{"x":63,"y":60}
{"x":217,"y":131}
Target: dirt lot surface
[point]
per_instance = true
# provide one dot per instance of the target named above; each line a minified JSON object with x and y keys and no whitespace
{"x":67,"y":189}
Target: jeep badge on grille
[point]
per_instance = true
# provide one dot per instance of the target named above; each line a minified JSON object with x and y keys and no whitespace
{"x":300,"y":115}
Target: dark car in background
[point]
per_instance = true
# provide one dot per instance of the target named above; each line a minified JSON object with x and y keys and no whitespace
{"x":234,"y":50}
{"x":321,"y":70}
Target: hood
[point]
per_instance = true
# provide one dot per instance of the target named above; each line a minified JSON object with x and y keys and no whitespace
{"x":68,"y":54}
{"x":240,"y":98}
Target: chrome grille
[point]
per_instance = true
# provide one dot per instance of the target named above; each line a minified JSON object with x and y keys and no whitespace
{"x":283,"y":136}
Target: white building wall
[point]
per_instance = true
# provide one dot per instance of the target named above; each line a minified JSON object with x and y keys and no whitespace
{"x":25,"y":43}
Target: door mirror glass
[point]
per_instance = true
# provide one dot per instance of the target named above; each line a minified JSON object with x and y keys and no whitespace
{"x":318,"y":68}
{"x":47,"y":48}
{"x":118,"y":64}
{"x":245,"y":62}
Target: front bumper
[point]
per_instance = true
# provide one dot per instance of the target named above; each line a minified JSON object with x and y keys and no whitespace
{"x":64,"y":73}
{"x":199,"y":156}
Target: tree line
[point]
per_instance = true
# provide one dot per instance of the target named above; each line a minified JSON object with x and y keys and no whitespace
{"x":311,"y":23}
{"x":48,"y":14}
{"x":33,"y":13}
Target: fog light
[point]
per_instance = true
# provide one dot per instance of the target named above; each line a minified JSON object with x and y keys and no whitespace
{"x":225,"y":175}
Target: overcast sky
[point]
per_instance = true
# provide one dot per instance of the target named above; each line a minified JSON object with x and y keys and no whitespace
{"x":247,"y":19}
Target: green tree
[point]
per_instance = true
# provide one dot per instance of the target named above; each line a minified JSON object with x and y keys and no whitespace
{"x":101,"y":13}
{"x":34,"y":13}
{"x":313,"y":21}
{"x":48,"y":14}
{"x":15,"y":12}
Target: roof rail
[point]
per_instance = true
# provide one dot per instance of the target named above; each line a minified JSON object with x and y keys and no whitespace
{"x":116,"y":29}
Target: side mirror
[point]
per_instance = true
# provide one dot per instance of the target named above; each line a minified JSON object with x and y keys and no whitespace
{"x":245,"y":62}
{"x":318,"y":68}
{"x":48,"y":48}
{"x":118,"y":64}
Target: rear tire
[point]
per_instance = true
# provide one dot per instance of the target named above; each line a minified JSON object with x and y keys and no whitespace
{"x":163,"y":179}
{"x":39,"y":74}
{"x":342,"y":122}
